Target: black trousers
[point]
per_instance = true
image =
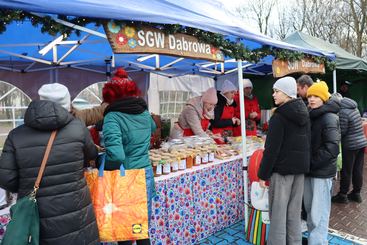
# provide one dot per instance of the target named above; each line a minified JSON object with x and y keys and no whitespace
{"x":138,"y":242}
{"x":352,"y":170}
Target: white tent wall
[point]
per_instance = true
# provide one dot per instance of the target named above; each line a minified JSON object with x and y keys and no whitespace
{"x":189,"y":83}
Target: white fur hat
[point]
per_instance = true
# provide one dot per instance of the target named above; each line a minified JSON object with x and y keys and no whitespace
{"x":57,"y":93}
{"x":228,"y":86}
{"x":247,"y":83}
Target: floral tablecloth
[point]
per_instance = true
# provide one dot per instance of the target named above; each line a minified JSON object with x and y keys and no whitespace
{"x":191,"y":206}
{"x":4,"y":220}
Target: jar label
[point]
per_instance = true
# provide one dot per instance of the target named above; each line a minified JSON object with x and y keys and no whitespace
{"x":182,"y":164}
{"x":174,"y":166}
{"x":198,"y":160}
{"x":205,"y":158}
{"x":158,"y":171}
{"x":211,"y":156}
{"x":167,"y":168}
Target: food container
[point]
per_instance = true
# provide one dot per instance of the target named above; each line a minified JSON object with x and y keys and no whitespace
{"x":182,"y":162}
{"x":204,"y":156}
{"x":174,"y":164}
{"x":166,"y":165}
{"x":189,"y":159}
{"x":197,"y":158}
{"x":157,"y":166}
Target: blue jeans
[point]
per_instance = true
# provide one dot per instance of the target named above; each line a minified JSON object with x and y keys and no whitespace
{"x":317,"y":200}
{"x":149,"y":175}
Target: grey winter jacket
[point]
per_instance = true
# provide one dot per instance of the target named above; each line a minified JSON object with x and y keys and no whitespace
{"x":353,"y":137}
{"x":64,"y":202}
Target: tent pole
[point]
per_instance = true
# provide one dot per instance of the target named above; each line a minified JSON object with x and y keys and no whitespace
{"x":334,"y":81}
{"x":243,"y":132}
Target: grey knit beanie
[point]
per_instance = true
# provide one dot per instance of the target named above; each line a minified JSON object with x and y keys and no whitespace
{"x":287,"y":85}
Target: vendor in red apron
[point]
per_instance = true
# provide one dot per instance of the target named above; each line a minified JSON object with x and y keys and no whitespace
{"x":224,"y":113}
{"x":252,"y":110}
{"x":194,"y":118}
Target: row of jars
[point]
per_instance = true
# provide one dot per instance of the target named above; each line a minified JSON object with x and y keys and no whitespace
{"x":165,"y":163}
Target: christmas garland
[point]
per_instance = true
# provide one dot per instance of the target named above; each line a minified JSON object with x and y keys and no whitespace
{"x":232,"y":49}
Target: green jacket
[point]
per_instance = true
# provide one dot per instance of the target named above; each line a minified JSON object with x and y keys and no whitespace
{"x":127,"y":139}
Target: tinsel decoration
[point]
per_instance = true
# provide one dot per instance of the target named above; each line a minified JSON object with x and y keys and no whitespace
{"x":230,"y":48}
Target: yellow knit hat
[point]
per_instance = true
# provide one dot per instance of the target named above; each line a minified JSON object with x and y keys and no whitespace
{"x":320,"y":90}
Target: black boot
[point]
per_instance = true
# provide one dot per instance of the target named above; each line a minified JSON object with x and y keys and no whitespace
{"x":355,"y":197}
{"x":340,"y":198}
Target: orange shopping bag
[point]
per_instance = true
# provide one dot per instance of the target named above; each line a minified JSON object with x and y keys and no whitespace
{"x":120,"y":203}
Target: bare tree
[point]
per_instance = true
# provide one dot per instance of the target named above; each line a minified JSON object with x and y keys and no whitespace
{"x":258,"y":10}
{"x":357,"y":20}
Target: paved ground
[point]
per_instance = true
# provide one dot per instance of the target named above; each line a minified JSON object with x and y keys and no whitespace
{"x":348,"y":223}
{"x":235,"y":235}
{"x":351,"y":218}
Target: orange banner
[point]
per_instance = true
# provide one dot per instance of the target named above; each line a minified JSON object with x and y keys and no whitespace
{"x":282,"y":67}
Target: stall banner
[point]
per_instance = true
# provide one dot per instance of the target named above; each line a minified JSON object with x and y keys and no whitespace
{"x":149,"y":40}
{"x":192,"y":206}
{"x":284,"y":67}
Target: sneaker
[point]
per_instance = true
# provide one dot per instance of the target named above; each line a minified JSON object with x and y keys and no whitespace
{"x":355,"y":197}
{"x":340,"y":198}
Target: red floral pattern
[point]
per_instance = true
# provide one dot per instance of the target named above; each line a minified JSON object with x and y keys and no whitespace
{"x":192,"y":206}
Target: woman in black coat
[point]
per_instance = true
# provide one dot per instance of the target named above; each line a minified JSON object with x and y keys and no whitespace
{"x":65,"y":207}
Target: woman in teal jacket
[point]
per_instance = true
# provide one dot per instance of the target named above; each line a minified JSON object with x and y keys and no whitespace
{"x":127,"y":129}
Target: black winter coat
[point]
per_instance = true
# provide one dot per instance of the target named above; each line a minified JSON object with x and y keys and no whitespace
{"x":287,"y":146}
{"x":217,"y":122}
{"x":353,"y":137}
{"x":64,"y":202}
{"x":325,"y":139}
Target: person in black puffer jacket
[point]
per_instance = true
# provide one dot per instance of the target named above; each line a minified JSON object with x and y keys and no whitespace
{"x":325,"y":139}
{"x":64,"y":202}
{"x":285,"y":161}
{"x":353,"y":144}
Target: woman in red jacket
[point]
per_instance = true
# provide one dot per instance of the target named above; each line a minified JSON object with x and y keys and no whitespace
{"x":252,"y":110}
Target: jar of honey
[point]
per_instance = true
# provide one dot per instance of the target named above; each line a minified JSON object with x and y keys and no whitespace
{"x":189,"y":159}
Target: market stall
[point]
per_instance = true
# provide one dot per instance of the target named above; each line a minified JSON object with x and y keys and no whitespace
{"x":192,"y":202}
{"x":200,"y":189}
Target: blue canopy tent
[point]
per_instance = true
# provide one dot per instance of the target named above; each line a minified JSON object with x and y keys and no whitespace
{"x":207,"y":15}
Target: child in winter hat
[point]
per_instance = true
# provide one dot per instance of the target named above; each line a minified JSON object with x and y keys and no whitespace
{"x":57,"y":93}
{"x":210,"y":96}
{"x":287,"y":85}
{"x":320,"y":90}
